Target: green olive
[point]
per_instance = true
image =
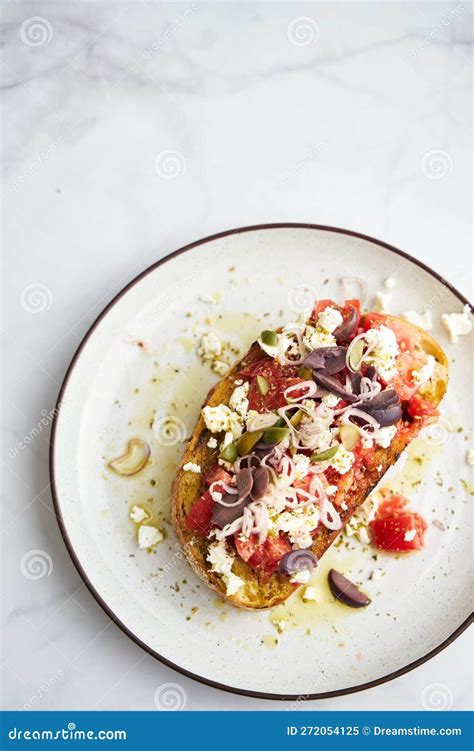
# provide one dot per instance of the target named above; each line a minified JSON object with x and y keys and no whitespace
{"x":262,"y":385}
{"x":305,"y":373}
{"x":296,"y":418}
{"x":269,"y":337}
{"x":247,"y":441}
{"x":229,"y":454}
{"x":274,"y":435}
{"x":349,"y":436}
{"x":356,"y":354}
{"x":323,"y":456}
{"x":280,"y":423}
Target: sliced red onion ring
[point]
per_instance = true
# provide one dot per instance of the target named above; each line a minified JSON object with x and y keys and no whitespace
{"x":368,"y":419}
{"x":309,"y":386}
{"x":297,"y":560}
{"x":218,"y":488}
{"x":329,"y":516}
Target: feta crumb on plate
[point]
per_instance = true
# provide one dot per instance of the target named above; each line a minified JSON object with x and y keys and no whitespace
{"x":138,"y":514}
{"x":280,"y":625}
{"x":191,"y":467}
{"x":382,"y":301}
{"x":457,"y":324}
{"x":470,"y":457}
{"x":301,"y":577}
{"x":210,"y":346}
{"x":148,"y":536}
{"x":389,"y":282}
{"x":309,"y":594}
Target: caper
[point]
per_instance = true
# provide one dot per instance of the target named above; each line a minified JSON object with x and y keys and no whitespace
{"x":274,"y":435}
{"x":229,"y":454}
{"x":323,"y":456}
{"x":247,"y":441}
{"x":262,"y":385}
{"x":269,"y":337}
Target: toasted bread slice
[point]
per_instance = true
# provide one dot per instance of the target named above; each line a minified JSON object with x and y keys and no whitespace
{"x":259,"y":592}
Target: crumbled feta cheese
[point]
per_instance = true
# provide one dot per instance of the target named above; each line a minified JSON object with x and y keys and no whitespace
{"x":363,"y":535}
{"x":470,"y":457}
{"x":331,"y":490}
{"x":217,"y":418}
{"x":209,"y":299}
{"x":342,"y":461}
{"x":329,"y":319}
{"x":389,"y":282}
{"x":220,"y":367}
{"x":425,"y":372}
{"x":298,"y":524}
{"x":210,"y":346}
{"x":191,"y":467}
{"x":330,"y":400}
{"x":385,"y":349}
{"x":344,"y":506}
{"x":138,"y":514}
{"x":385,"y":436}
{"x":367,"y":443}
{"x":423,"y":320}
{"x":238,"y":400}
{"x":310,"y":594}
{"x":212,"y":443}
{"x":457,"y":324}
{"x":314,"y":338}
{"x":221,"y":560}
{"x":376,"y":574}
{"x":382,"y":301}
{"x":148,"y":536}
{"x":301,"y":463}
{"x":358,"y":524}
{"x":280,"y":625}
{"x":301,"y":577}
{"x":410,"y":535}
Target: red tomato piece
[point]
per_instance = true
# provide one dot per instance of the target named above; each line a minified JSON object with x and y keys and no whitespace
{"x":199,"y":517}
{"x":373,"y":321}
{"x":268,"y":367}
{"x":321,"y":305}
{"x":264,"y":558}
{"x":420,"y":407}
{"x":274,"y":398}
{"x":389,"y":534}
{"x":217,"y":474}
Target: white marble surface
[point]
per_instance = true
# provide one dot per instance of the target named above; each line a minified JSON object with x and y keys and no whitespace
{"x":339,"y":131}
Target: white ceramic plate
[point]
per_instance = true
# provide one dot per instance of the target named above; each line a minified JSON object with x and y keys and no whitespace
{"x":138,"y":363}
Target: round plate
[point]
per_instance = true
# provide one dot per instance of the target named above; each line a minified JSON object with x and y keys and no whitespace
{"x":138,"y":365}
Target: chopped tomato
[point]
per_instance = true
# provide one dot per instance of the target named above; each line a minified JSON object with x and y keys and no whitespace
{"x":422,"y":408}
{"x":394,"y":523}
{"x":408,"y":337}
{"x":398,"y":534}
{"x":268,"y":366}
{"x":321,"y":305}
{"x":403,"y":381}
{"x":263,"y":558}
{"x":373,"y":321}
{"x":199,"y":517}
{"x":275,"y":396}
{"x":217,"y":474}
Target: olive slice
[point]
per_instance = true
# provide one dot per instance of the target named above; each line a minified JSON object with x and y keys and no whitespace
{"x":345,"y":330}
{"x":332,"y":384}
{"x":261,"y":479}
{"x":355,"y":354}
{"x":229,"y":454}
{"x":382,"y":400}
{"x":388,"y":416}
{"x":269,"y":337}
{"x":329,"y":360}
{"x":296,"y":418}
{"x":222,"y":515}
{"x":262,"y":384}
{"x":323,"y":456}
{"x":244,"y":482}
{"x":349,"y":436}
{"x":345,"y":591}
{"x":274,"y":435}
{"x":247,"y":441}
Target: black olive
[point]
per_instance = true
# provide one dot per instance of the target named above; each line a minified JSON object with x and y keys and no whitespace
{"x":345,"y":591}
